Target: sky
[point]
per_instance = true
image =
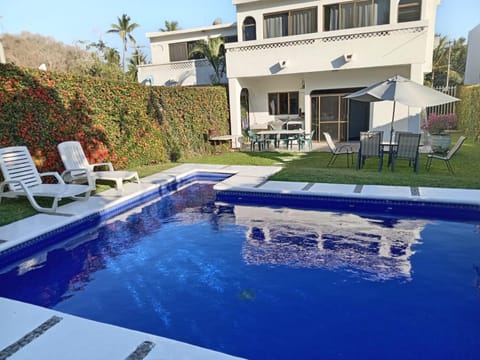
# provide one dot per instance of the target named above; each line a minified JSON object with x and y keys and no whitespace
{"x":88,"y":20}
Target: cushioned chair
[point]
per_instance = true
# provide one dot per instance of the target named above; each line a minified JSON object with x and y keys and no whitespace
{"x":406,"y":148}
{"x":73,"y":158}
{"x":370,"y":147}
{"x":21,"y":178}
{"x":447,"y":157}
{"x":336,"y":151}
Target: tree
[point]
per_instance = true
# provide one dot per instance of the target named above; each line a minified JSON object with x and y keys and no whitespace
{"x":449,"y":57}
{"x":124,"y":29}
{"x":137,"y":58}
{"x":213,"y":50}
{"x":170,"y":26}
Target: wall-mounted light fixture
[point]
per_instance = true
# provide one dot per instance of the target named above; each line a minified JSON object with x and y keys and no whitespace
{"x":348,"y":57}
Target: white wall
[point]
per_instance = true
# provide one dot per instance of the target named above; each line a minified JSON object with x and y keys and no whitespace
{"x":472,"y":69}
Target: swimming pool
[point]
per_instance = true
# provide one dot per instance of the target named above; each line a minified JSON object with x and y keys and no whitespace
{"x":269,"y":282}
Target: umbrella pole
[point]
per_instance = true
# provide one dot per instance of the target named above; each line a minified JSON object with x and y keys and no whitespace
{"x":393,"y":119}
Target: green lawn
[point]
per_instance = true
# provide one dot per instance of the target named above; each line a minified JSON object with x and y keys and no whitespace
{"x":311,"y":167}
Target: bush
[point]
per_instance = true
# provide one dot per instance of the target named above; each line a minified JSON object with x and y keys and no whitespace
{"x":128,"y":124}
{"x":437,"y":124}
{"x":468,"y":111}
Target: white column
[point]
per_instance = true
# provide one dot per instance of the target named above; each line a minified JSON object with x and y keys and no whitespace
{"x":234,"y":90}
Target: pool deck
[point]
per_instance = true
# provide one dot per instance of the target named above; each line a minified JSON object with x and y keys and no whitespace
{"x":28,"y":331}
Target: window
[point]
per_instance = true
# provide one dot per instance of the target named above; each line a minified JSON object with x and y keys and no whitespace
{"x":249,"y":29}
{"x":283,"y":103}
{"x":182,"y":51}
{"x":295,"y":22}
{"x":358,"y":13}
{"x":230,"y":39}
{"x":409,"y":10}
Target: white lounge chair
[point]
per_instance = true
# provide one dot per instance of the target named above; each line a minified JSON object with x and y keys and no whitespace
{"x":73,"y":157}
{"x":21,"y":178}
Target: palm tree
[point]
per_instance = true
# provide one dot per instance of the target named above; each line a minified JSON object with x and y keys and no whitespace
{"x":124,"y":29}
{"x":170,"y":26}
{"x":448,"y":57}
{"x":214,"y":52}
{"x":137,"y":58}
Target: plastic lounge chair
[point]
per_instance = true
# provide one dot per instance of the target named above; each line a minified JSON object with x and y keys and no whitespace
{"x":370,"y":146}
{"x":406,"y":148}
{"x":23,"y":179}
{"x":336,"y":151}
{"x":73,"y":157}
{"x":447,"y":157}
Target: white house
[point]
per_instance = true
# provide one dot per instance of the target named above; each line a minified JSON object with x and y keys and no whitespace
{"x":472,"y":68}
{"x":172,"y":60}
{"x":295,"y":60}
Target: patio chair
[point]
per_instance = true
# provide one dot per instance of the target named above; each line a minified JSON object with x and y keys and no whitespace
{"x":73,"y":157}
{"x":21,"y":178}
{"x":306,"y":139}
{"x":336,"y":151}
{"x":370,"y":146}
{"x":447,"y":157}
{"x":406,"y":148}
{"x":255,"y":140}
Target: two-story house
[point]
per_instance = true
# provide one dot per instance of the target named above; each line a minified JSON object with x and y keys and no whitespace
{"x":297,"y":59}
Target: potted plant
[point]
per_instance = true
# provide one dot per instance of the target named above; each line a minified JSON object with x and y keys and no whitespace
{"x":437,"y":126}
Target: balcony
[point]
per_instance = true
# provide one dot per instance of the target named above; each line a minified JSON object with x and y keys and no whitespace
{"x":190,"y":72}
{"x":376,"y":46}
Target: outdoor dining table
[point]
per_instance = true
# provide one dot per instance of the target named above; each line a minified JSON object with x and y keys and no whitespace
{"x":280,"y":132}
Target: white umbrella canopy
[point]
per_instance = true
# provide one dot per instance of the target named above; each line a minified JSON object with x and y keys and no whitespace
{"x":404,"y":91}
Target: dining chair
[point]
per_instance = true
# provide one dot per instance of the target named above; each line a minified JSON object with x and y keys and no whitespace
{"x":336,"y":151}
{"x":406,"y":148}
{"x":370,"y":147}
{"x":255,"y":140}
{"x":306,"y":139}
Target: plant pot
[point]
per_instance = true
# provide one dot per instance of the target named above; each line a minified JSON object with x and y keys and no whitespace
{"x":440,"y":143}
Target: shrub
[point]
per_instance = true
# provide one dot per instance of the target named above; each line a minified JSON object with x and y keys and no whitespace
{"x":437,"y":124}
{"x":129,"y":124}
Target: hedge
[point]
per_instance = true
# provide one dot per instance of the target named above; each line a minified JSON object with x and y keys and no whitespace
{"x":468,"y":111}
{"x":128,"y":124}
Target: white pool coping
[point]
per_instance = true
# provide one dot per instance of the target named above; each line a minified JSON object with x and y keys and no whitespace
{"x":77,"y":338}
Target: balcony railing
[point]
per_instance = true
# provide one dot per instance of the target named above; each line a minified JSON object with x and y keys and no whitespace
{"x":350,"y":34}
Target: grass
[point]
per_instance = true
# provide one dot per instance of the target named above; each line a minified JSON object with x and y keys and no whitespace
{"x":312,"y":167}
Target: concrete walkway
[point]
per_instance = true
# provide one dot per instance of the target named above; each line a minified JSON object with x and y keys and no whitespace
{"x":28,"y":331}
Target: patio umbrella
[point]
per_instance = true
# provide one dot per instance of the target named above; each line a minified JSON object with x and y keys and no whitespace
{"x":404,"y":91}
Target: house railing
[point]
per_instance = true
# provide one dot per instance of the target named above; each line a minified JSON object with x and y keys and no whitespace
{"x":444,"y":109}
{"x":307,"y":40}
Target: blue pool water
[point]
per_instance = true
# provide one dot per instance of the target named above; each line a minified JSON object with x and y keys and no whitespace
{"x":269,"y":282}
